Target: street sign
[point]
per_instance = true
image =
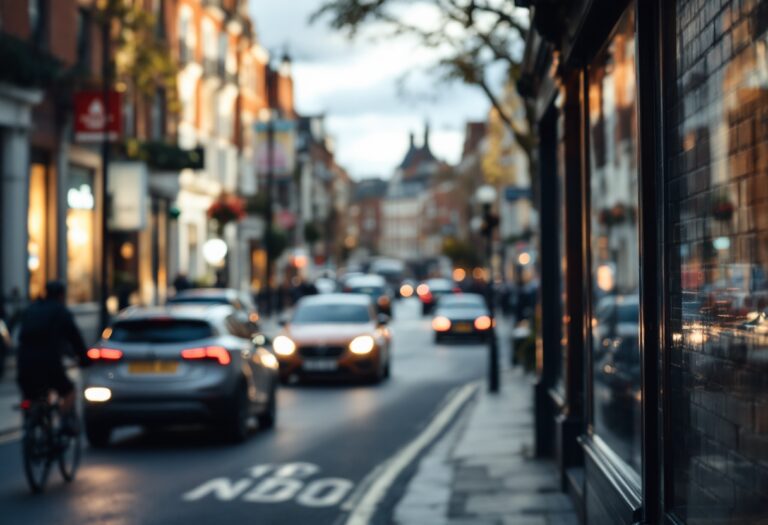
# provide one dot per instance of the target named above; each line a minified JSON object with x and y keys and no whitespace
{"x":514,"y":193}
{"x":128,"y":190}
{"x":93,"y":120}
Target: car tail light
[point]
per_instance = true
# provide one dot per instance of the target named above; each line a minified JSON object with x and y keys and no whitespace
{"x":26,"y":404}
{"x":383,"y":301}
{"x":483,"y":322}
{"x":457,"y":290}
{"x":104,"y":354}
{"x":422,"y":289}
{"x":441,"y":324}
{"x":217,"y":353}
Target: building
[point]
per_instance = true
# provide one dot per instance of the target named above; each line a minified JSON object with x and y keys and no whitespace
{"x":653,"y":171}
{"x":366,"y":216}
{"x":404,"y":235}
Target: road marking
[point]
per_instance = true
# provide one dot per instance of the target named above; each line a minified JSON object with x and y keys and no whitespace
{"x":276,"y":483}
{"x":10,"y":437}
{"x":366,"y":506}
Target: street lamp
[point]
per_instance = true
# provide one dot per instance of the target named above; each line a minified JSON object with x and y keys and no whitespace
{"x":486,"y":196}
{"x":267,"y":115}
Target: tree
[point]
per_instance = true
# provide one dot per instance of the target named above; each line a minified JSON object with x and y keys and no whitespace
{"x":471,"y":36}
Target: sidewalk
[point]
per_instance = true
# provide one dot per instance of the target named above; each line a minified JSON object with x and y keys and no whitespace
{"x":482,"y":472}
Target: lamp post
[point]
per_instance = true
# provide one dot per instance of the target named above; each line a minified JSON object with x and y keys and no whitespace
{"x":105,"y":158}
{"x":268,"y":237}
{"x":486,"y":196}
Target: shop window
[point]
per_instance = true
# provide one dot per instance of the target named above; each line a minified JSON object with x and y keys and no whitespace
{"x":614,"y":248}
{"x":717,"y":205}
{"x":37,"y":226}
{"x":81,"y":247}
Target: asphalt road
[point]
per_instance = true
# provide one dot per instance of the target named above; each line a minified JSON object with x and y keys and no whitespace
{"x":308,"y":469}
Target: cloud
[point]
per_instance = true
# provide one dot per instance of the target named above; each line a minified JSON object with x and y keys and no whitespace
{"x":357,"y":85}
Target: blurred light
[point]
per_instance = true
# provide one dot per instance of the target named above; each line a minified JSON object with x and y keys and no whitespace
{"x":283,"y":345}
{"x":722,"y":243}
{"x":107,"y":354}
{"x":485,"y":194}
{"x":677,"y":337}
{"x":97,"y":394}
{"x":478,"y":273}
{"x":214,"y":251}
{"x":113,"y":304}
{"x":218,"y":353}
{"x":422,"y":289}
{"x":362,"y":344}
{"x":459,"y":274}
{"x":127,"y":250}
{"x":383,"y":301}
{"x":406,"y":290}
{"x":269,"y":360}
{"x":300,"y":261}
{"x":107,"y":333}
{"x":524,"y":258}
{"x":605,"y":277}
{"x":441,"y":324}
{"x":483,"y":322}
{"x":253,"y":317}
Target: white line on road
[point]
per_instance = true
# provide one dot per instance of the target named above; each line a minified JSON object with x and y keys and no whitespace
{"x":366,"y":506}
{"x":9,"y":437}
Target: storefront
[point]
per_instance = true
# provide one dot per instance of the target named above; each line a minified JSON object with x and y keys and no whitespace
{"x":653,"y":162}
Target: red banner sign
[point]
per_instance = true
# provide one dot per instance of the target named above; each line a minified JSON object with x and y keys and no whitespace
{"x":93,"y":120}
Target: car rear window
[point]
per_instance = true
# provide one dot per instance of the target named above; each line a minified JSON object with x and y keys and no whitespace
{"x":331,"y":313}
{"x":373,"y":291}
{"x":160,"y":331}
{"x":198,"y":300}
{"x":462,"y":303}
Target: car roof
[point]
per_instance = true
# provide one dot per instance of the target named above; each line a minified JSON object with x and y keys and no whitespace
{"x":462,"y":297}
{"x":336,"y":298}
{"x":177,"y":311}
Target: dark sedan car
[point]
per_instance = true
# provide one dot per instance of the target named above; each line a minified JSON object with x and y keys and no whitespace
{"x":462,"y":316}
{"x":375,"y":287}
{"x":177,"y":365}
{"x":431,"y":290}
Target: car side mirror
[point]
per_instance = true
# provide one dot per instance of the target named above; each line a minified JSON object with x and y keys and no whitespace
{"x":383,"y":319}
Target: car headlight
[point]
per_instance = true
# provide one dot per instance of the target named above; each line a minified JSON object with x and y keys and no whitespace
{"x":97,"y":394}
{"x":362,"y":344}
{"x":283,"y":345}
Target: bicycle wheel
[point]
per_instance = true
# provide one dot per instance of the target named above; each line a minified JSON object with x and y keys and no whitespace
{"x":69,"y":455}
{"x":36,"y":451}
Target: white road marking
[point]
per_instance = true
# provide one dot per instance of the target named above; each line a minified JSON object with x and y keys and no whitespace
{"x":324,"y":492}
{"x":10,"y":437}
{"x":297,"y":470}
{"x":274,"y":490}
{"x":365,"y":508}
{"x":222,"y":488}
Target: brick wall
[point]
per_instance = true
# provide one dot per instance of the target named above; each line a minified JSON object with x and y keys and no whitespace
{"x":717,"y":203}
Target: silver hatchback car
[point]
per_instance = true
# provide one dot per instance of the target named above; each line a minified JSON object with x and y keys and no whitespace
{"x":177,"y":365}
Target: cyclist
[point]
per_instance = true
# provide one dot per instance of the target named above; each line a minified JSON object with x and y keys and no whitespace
{"x":47,"y":332}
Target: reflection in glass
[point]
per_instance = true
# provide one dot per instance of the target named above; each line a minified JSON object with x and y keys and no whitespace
{"x":614,"y":247}
{"x":717,"y":204}
{"x":80,"y":236}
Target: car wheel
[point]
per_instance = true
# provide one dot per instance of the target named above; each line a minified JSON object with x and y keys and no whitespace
{"x":267,"y":418}
{"x":97,"y":434}
{"x":237,"y":421}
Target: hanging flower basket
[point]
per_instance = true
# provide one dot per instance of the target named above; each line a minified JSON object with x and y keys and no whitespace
{"x":723,"y":209}
{"x":226,"y":209}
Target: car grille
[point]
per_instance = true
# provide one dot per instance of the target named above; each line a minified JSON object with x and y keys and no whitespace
{"x":321,"y":351}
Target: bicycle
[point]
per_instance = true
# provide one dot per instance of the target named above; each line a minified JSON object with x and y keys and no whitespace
{"x":45,"y":441}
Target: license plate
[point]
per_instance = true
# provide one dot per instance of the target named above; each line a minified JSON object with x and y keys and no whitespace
{"x":153,"y":367}
{"x":463,"y":328}
{"x":320,"y":365}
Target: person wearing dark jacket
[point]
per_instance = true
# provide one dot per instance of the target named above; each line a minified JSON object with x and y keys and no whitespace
{"x":47,"y":332}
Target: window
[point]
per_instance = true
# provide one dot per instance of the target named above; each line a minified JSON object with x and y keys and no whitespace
{"x":717,"y":246}
{"x":84,"y":29}
{"x":37,"y":225}
{"x":614,"y":249}
{"x":81,"y":218}
{"x":160,"y":331}
{"x":38,"y":14}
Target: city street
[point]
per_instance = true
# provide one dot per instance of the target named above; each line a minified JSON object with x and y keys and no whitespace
{"x":309,"y":469}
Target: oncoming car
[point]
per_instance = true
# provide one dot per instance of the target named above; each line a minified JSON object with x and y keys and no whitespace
{"x":462,"y":316}
{"x":374,"y":286}
{"x":179,"y":365}
{"x":335,"y":335}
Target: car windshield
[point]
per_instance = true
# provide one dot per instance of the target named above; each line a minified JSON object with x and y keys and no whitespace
{"x":160,"y":331}
{"x":331,"y":313}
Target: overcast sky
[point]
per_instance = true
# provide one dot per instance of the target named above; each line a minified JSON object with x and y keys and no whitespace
{"x":358,"y":86}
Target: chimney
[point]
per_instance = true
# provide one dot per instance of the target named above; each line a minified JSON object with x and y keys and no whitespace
{"x":413,"y":139}
{"x":426,"y":135}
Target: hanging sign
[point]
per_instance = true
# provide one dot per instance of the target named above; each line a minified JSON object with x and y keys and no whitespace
{"x":93,"y":119}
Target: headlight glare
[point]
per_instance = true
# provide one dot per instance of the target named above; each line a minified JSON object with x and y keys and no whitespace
{"x":362,"y":345}
{"x":283,"y":345}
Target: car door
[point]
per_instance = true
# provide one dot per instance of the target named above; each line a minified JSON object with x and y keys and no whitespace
{"x":239,"y":326}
